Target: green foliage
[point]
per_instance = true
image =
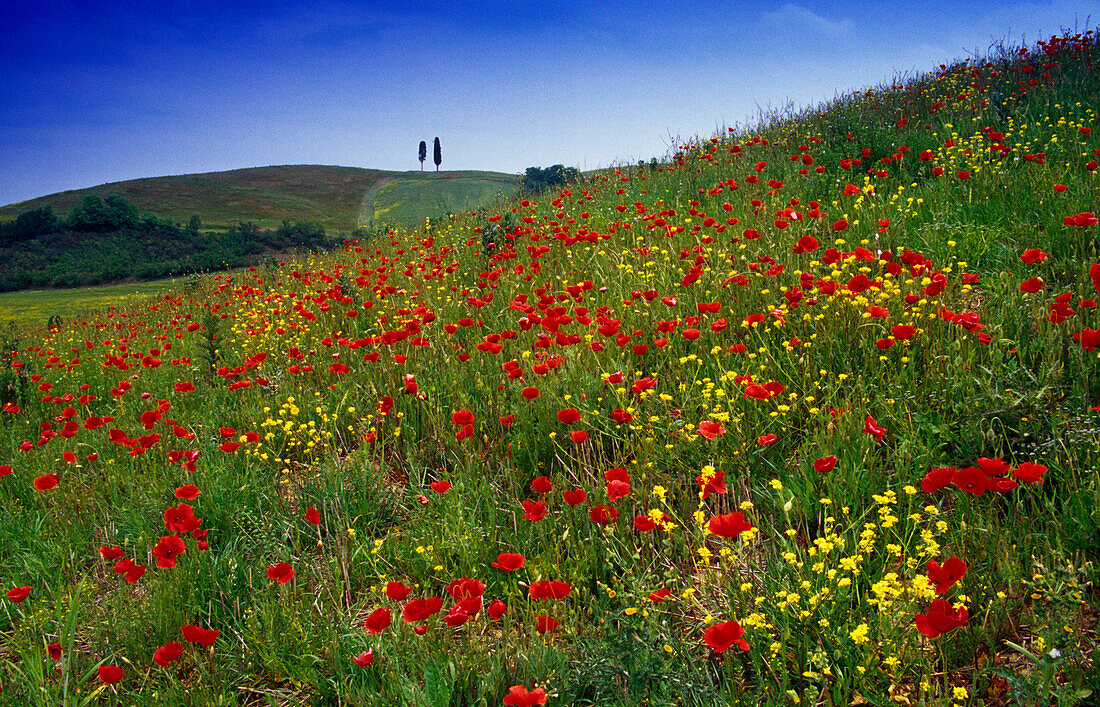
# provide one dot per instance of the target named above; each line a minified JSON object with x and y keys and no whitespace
{"x":557,"y":176}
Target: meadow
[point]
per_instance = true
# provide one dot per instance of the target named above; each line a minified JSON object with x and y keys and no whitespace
{"x":805,"y":414}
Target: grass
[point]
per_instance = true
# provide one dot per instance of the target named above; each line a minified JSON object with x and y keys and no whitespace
{"x":36,"y":307}
{"x":805,"y":414}
{"x":267,"y":196}
{"x":411,"y":197}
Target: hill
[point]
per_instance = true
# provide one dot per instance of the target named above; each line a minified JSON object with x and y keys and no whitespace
{"x":805,"y":414}
{"x":339,"y":198}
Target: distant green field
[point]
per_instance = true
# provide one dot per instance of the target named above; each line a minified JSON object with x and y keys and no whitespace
{"x":31,"y":307}
{"x":336,"y":197}
{"x":411,"y":197}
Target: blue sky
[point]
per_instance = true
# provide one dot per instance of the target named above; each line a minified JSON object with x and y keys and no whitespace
{"x":93,"y":92}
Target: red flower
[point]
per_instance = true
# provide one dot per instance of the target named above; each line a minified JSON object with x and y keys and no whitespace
{"x":765,"y":440}
{"x":462,"y":417}
{"x":312,"y":516}
{"x":660,"y":596}
{"x":971,"y":480}
{"x":133,"y":574}
{"x":903,"y":331}
{"x":110,"y":674}
{"x":420,"y":609}
{"x":464,"y":588}
{"x":728,"y":526}
{"x":530,"y":393}
{"x":46,"y":482}
{"x":518,"y":696}
{"x":542,"y":485}
{"x":604,"y":515}
{"x":167,"y":653}
{"x":189,"y":492}
{"x":397,"y":591}
{"x":568,"y":416}
{"x":944,"y":576}
{"x":578,"y":436}
{"x":710,"y":430}
{"x":1033,"y":255}
{"x":281,"y":573}
{"x":378,"y":620}
{"x":229,"y":447}
{"x":509,"y":561}
{"x":167,"y":550}
{"x":575,"y":497}
{"x":940,"y":618}
{"x":205,"y":637}
{"x":872,"y":428}
{"x":715,"y":484}
{"x":823,"y":465}
{"x":1030,"y":473}
{"x":534,"y":511}
{"x":18,"y":594}
{"x":545,"y":624}
{"x":365,"y":658}
{"x":111,"y":553}
{"x":617,"y":489}
{"x":722,"y":636}
{"x":549,"y":589}
{"x":643,"y":524}
{"x":441,"y":486}
{"x":1032,"y":286}
{"x":496,"y":609}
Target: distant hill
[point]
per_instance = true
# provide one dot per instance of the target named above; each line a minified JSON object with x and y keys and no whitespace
{"x":339,"y":198}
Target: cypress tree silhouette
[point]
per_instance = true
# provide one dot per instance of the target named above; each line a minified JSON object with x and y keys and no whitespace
{"x":438,"y":154}
{"x":423,"y":154}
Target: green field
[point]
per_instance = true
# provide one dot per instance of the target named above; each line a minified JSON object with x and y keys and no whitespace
{"x":332,"y":196}
{"x":32,"y":307}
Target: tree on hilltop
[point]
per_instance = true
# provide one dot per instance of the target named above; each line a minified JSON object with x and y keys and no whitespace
{"x":438,"y":155}
{"x":423,"y":154}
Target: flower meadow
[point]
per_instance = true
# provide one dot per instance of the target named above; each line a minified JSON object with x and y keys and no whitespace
{"x":806,"y":413}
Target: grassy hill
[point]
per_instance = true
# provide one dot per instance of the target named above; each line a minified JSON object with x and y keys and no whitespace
{"x":340,"y":198}
{"x":806,"y":414}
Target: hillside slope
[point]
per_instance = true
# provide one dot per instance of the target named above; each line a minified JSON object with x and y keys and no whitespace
{"x":332,"y":196}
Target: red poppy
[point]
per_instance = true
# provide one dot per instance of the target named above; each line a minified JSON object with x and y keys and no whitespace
{"x":365,"y":658}
{"x":903,"y":331}
{"x":229,"y":447}
{"x":53,"y":651}
{"x":710,"y":430}
{"x":715,"y":484}
{"x":823,"y":465}
{"x":188,"y":492}
{"x":765,"y":440}
{"x":549,"y":589}
{"x":617,"y":489}
{"x":46,"y":482}
{"x":568,"y":416}
{"x":530,"y":393}
{"x":722,"y":636}
{"x":1033,"y":255}
{"x":944,"y":576}
{"x":971,"y":480}
{"x":728,"y":526}
{"x":133,"y":574}
{"x":1030,"y":473}
{"x":167,"y":653}
{"x":167,"y":550}
{"x":518,"y":696}
{"x":534,"y":511}
{"x":464,"y":588}
{"x":575,"y":497}
{"x":578,"y":436}
{"x":18,"y":594}
{"x":180,"y":519}
{"x":604,"y":515}
{"x":496,"y":609}
{"x":419,"y":609}
{"x":205,"y":637}
{"x":440,"y":486}
{"x":545,"y":624}
{"x":941,"y":618}
{"x":509,"y":561}
{"x":660,"y":596}
{"x":281,"y":573}
{"x":542,"y":484}
{"x":644,"y":524}
{"x":1032,"y":286}
{"x":378,"y":620}
{"x":111,"y":553}
{"x":462,"y":417}
{"x":110,"y":674}
{"x":312,"y":516}
{"x":936,"y":479}
{"x":397,"y":591}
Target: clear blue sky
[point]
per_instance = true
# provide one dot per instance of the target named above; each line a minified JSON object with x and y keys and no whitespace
{"x":93,"y":92}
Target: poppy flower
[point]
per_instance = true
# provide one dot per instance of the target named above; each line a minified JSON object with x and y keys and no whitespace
{"x":46,"y":482}
{"x":167,"y":653}
{"x":765,"y":440}
{"x":18,"y":594}
{"x":534,"y":511}
{"x":1033,"y":255}
{"x":823,"y":465}
{"x":545,"y":624}
{"x":110,"y":674}
{"x":53,"y":651}
{"x":568,"y":416}
{"x":518,"y":696}
{"x":578,"y":436}
{"x":365,"y":658}
{"x":312,"y":516}
{"x":710,"y":429}
{"x":604,"y":515}
{"x":575,"y":497}
{"x":903,"y":331}
{"x":281,"y":573}
{"x":728,"y":526}
{"x":464,"y":588}
{"x":441,"y":486}
{"x":419,"y":609}
{"x":940,"y":618}
{"x":944,"y":576}
{"x":378,"y":620}
{"x":462,"y":417}
{"x":617,"y":489}
{"x":167,"y":549}
{"x":971,"y":480}
{"x":397,"y":591}
{"x":1032,"y":286}
{"x":542,"y":484}
{"x":530,"y":393}
{"x":456,"y":616}
{"x":549,"y":589}
{"x":205,"y":637}
{"x":111,"y":553}
{"x":188,"y":492}
{"x":1030,"y":473}
{"x":644,"y":524}
{"x":715,"y":483}
{"x":936,"y":479}
{"x":660,"y":596}
{"x":5,"y":470}
{"x":229,"y":447}
{"x":134,"y":573}
{"x":723,"y":636}
{"x":496,"y":609}
{"x":509,"y":561}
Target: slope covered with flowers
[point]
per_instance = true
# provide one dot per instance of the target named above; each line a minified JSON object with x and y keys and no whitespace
{"x":804,"y":413}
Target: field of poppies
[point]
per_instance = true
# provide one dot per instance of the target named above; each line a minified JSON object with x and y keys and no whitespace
{"x":805,"y":414}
